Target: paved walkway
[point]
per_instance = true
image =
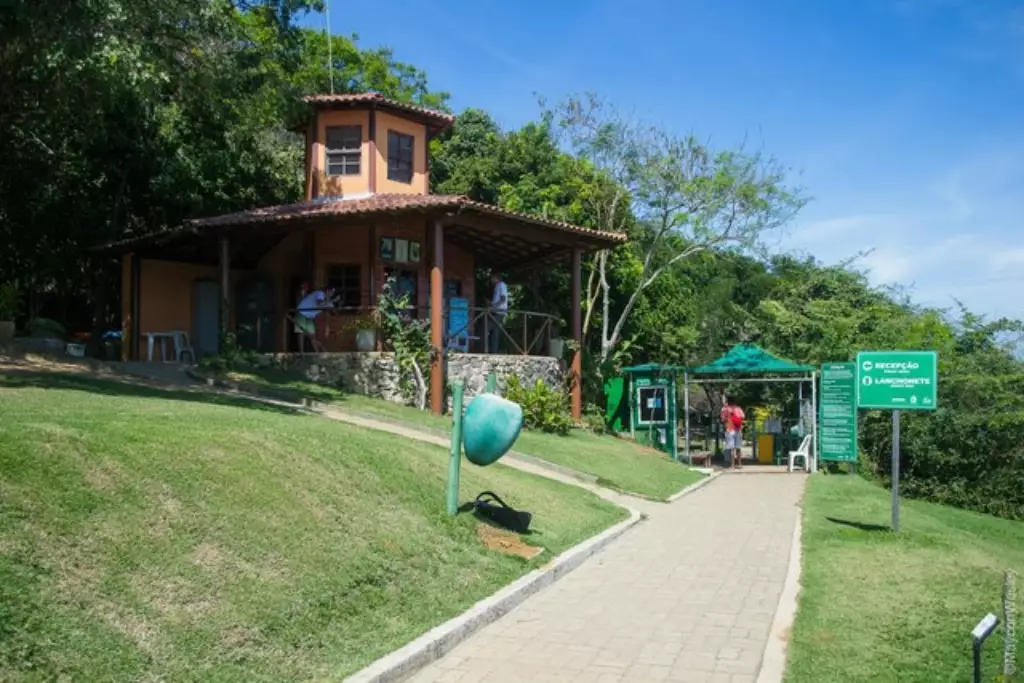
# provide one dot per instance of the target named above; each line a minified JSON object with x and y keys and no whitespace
{"x":687,"y":596}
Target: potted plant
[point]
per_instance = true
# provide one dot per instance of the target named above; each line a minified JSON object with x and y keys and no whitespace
{"x":556,"y":345}
{"x":10,"y":303}
{"x":365,"y":327}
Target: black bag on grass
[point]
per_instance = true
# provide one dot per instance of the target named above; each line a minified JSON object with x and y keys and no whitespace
{"x":492,"y":508}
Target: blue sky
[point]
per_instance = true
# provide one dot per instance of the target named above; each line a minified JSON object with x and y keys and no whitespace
{"x":904,"y":119}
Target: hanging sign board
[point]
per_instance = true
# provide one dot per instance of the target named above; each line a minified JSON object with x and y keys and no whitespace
{"x":838,"y":421}
{"x":897,"y":380}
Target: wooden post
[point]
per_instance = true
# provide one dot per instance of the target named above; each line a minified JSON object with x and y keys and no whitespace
{"x":436,"y":321}
{"x":224,"y":264}
{"x":136,"y":308}
{"x":577,"y":335}
{"x":526,"y":341}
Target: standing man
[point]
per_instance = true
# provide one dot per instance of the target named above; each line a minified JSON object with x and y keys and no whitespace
{"x":732,"y":418}
{"x":499,"y":308}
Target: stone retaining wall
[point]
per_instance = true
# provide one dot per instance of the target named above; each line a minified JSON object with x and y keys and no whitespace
{"x":369,"y":373}
{"x":376,"y":374}
{"x":474,"y":368}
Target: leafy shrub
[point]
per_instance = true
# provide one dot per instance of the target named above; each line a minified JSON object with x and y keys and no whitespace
{"x":231,"y":356}
{"x":594,"y":419}
{"x":544,"y":408}
{"x":408,"y":338}
{"x":46,"y":328}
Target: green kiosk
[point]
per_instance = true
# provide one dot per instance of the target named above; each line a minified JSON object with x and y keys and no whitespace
{"x":651,"y":396}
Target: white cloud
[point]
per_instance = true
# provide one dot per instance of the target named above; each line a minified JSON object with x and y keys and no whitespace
{"x":1007,"y":259}
{"x":955,"y":235}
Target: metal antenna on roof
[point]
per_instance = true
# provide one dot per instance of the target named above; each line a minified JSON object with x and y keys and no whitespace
{"x":330,"y":55}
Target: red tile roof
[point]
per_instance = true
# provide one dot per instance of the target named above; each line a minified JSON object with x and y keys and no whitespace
{"x":389,"y":203}
{"x":439,"y":119}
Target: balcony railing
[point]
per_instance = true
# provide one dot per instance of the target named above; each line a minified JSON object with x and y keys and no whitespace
{"x":520,"y":333}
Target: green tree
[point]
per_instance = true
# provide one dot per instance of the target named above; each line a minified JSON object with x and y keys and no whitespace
{"x":667,"y":187}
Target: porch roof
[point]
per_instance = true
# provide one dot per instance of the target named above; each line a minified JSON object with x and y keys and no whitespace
{"x":506,"y":240}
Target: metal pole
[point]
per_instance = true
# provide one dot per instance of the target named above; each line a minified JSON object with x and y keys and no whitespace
{"x":492,"y":383}
{"x":629,"y":402}
{"x":686,"y":417}
{"x":800,"y":404}
{"x":455,"y":455}
{"x":979,"y":635}
{"x":814,"y":422}
{"x":896,"y":472}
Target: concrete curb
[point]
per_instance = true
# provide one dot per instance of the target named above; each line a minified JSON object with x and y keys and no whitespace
{"x":440,"y":640}
{"x":693,"y":487}
{"x":773,"y":661}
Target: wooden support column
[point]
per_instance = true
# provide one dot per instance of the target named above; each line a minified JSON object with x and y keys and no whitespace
{"x":224,"y":265}
{"x":135,"y":287}
{"x":577,"y":335}
{"x":437,"y":321}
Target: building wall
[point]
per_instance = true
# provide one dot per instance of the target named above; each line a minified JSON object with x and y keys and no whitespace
{"x":385,"y":122}
{"x":357,"y":184}
{"x":341,"y":185}
{"x":165,"y":298}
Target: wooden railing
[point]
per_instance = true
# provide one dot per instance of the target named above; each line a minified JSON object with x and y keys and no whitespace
{"x":523,"y":332}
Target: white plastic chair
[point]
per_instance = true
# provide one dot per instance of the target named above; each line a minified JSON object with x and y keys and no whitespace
{"x":183,"y":347}
{"x":803,"y":452}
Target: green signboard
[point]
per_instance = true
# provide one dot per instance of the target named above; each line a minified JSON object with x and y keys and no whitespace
{"x":897,"y":380}
{"x":838,"y":408}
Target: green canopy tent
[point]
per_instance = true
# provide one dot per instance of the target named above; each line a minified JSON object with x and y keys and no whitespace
{"x":749,"y":363}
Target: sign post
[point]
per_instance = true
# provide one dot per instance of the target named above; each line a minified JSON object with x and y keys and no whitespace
{"x":839,"y":412}
{"x":895,"y":470}
{"x":897,"y":380}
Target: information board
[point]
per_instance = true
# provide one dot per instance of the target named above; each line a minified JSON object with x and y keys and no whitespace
{"x":897,"y":380}
{"x":838,"y":412}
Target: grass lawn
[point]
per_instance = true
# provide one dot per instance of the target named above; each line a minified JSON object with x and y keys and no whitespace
{"x":618,"y":464}
{"x":880,"y":607}
{"x":153,"y":535}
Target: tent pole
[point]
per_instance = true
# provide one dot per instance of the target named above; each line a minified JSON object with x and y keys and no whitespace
{"x":800,"y":405}
{"x":814,"y":422}
{"x":629,"y":400}
{"x":686,"y":417}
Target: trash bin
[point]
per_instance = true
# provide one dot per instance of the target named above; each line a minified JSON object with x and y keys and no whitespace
{"x":765,"y":448}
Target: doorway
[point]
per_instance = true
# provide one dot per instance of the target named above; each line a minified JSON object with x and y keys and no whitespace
{"x":206,"y":294}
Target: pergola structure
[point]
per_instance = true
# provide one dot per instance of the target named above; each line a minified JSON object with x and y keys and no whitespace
{"x":749,"y":363}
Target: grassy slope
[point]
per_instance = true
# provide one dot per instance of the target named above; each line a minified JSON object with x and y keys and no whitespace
{"x":879,"y":607}
{"x":149,"y":535}
{"x":619,"y":464}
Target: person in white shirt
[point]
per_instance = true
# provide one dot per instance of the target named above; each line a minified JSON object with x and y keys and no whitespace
{"x":499,"y":308}
{"x":310,"y":306}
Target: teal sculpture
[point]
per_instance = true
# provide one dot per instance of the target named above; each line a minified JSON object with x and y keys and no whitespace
{"x":487,"y":431}
{"x":489,"y":428}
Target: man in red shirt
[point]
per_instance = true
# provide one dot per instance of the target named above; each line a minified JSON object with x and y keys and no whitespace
{"x":732,"y":418}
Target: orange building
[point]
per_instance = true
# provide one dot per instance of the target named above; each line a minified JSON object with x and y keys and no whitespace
{"x":368,"y":215}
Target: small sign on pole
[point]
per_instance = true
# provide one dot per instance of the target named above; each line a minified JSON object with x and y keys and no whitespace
{"x":896,"y":381}
{"x":838,"y":412}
